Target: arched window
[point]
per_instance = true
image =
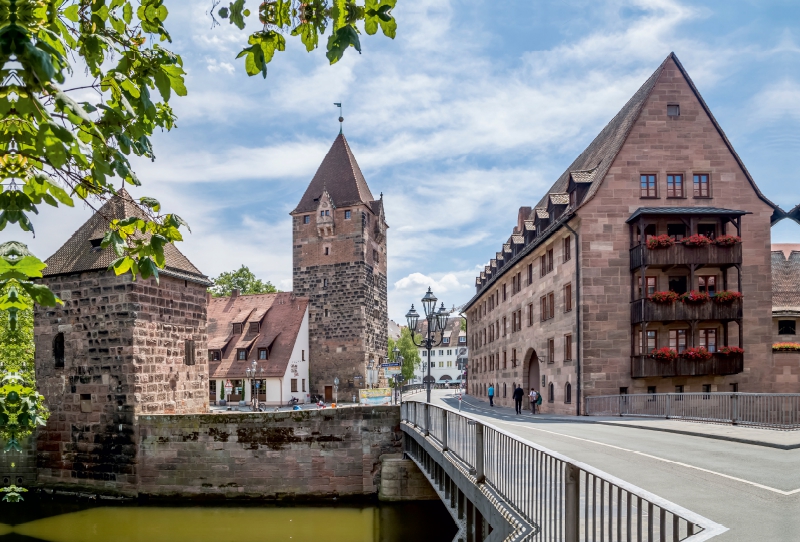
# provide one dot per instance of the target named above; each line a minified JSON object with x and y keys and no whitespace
{"x":58,"y":351}
{"x":504,"y":389}
{"x":568,"y":393}
{"x":551,"y":393}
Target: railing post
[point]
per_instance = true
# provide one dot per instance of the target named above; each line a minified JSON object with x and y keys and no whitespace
{"x":669,"y":403}
{"x":427,"y":428}
{"x":572,"y":501}
{"x":734,"y":409}
{"x":480,"y":475}
{"x":444,"y":430}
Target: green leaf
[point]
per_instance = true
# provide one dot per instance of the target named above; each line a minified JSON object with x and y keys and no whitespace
{"x":41,"y":294}
{"x":339,"y":41}
{"x":127,"y":13}
{"x":71,"y":13}
{"x":150,"y":202}
{"x":148,"y":268}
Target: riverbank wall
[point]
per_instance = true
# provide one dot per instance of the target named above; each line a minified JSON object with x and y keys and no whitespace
{"x":290,"y":455}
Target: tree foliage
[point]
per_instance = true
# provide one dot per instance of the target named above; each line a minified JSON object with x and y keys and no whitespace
{"x":408,"y":350}
{"x":243,"y":280}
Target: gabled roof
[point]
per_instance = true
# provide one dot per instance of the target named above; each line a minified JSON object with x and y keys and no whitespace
{"x":340,"y":175}
{"x":785,"y":279}
{"x":280,"y":315}
{"x":79,"y":255}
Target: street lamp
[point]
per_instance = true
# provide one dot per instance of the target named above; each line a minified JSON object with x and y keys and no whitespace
{"x":437,"y":321}
{"x":370,"y":375}
{"x":251,"y":373}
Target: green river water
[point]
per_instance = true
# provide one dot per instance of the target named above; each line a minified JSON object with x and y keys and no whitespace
{"x":50,"y":521}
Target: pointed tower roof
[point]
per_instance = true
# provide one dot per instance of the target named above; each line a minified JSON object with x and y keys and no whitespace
{"x":340,"y":175}
{"x":82,"y":251}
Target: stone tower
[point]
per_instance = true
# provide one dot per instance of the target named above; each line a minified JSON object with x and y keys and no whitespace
{"x":339,"y":263}
{"x":116,"y":349}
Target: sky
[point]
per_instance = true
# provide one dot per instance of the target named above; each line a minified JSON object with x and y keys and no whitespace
{"x":474,"y":110}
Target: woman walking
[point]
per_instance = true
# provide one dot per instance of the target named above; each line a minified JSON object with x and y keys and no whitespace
{"x":532,"y":397}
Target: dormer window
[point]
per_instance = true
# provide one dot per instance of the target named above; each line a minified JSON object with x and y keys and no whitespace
{"x":237,"y":329}
{"x":254,"y":327}
{"x":325,"y":213}
{"x":97,"y":244}
{"x":573,"y":198}
{"x":241,"y":354}
{"x":262,"y":353}
{"x":673,"y":110}
{"x":214,"y":355}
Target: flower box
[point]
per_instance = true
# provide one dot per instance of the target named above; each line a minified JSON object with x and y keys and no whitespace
{"x":696,"y":241}
{"x":726,"y":297}
{"x":727,"y":240}
{"x":664,"y":298}
{"x":664,"y":354}
{"x":786,"y":347}
{"x":696,"y":354}
{"x":730,"y":350}
{"x":660,"y":241}
{"x":695,"y":298}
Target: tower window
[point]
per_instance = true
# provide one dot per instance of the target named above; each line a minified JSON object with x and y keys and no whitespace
{"x":189,"y":352}
{"x":58,"y":351}
{"x":327,"y":251}
{"x":306,"y":219}
{"x":347,"y":215}
{"x":324,"y":283}
{"x":673,"y":110}
{"x":375,"y":257}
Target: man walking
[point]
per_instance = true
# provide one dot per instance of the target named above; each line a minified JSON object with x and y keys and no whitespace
{"x":518,"y":393}
{"x":491,"y":395}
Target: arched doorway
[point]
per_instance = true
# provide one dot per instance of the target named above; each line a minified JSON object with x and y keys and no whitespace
{"x":531,"y":377}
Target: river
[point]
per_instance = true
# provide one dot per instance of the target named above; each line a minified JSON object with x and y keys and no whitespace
{"x":58,"y":521}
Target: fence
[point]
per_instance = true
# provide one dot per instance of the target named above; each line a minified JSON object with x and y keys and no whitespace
{"x":769,"y":410}
{"x":568,"y":500}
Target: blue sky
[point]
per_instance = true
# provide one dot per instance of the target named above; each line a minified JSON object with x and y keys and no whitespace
{"x":471,"y":112}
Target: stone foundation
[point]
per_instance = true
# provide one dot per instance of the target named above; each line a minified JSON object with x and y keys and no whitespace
{"x":401,"y":480}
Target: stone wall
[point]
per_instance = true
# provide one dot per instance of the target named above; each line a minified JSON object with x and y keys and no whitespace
{"x":124,"y":353}
{"x":786,"y":372}
{"x":299,"y":454}
{"x":401,"y":480}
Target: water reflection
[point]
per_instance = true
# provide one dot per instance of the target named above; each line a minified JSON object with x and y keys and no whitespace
{"x":422,"y":522}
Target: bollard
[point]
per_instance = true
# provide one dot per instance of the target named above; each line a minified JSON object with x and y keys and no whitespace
{"x":480,"y":475}
{"x":572,"y":490}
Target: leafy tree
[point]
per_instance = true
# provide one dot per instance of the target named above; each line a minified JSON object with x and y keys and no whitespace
{"x":242,"y":279}
{"x":408,"y":350}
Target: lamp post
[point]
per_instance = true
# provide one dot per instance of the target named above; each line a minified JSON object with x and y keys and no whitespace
{"x":398,"y":378}
{"x":437,"y":321}
{"x":251,"y":373}
{"x":370,"y":374}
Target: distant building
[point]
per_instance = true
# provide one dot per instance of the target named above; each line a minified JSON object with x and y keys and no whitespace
{"x":444,"y":358}
{"x":785,"y":292}
{"x":339,"y":264}
{"x":393,"y":329}
{"x":268,"y":329}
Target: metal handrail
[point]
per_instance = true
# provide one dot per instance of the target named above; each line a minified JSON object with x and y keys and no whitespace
{"x":766,"y":410}
{"x":568,"y":500}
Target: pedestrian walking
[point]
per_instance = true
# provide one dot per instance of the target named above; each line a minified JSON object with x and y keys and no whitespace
{"x":518,"y":393}
{"x":491,"y":395}
{"x":532,"y":397}
{"x":539,"y":402}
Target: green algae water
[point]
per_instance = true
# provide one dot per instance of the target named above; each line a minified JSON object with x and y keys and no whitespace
{"x":426,"y":521}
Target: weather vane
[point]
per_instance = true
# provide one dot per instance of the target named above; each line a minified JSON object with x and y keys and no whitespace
{"x":341,"y":118}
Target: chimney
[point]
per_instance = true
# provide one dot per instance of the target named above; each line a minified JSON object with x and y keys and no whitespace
{"x":235,"y":293}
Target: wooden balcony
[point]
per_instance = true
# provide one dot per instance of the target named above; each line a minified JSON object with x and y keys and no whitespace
{"x":682,"y":255}
{"x":718,"y":365}
{"x":678,"y":311}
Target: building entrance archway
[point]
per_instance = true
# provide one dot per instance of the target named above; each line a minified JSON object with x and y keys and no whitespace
{"x":531,"y":376}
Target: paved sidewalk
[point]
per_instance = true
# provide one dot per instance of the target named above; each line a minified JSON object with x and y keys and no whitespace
{"x":773,"y":438}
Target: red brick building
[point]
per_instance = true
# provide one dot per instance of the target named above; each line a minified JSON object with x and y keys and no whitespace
{"x":339,"y":264}
{"x":567,"y":305}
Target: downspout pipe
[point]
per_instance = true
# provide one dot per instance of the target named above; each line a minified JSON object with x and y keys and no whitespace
{"x":577,"y":314}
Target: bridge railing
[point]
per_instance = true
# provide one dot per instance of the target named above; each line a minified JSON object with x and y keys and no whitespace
{"x":769,"y":410}
{"x":567,"y":500}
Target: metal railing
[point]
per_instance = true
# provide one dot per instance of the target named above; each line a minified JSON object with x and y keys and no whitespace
{"x":768,"y":410}
{"x":568,"y":500}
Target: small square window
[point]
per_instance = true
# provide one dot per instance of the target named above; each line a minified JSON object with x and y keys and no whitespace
{"x":306,"y":219}
{"x":706,"y":388}
{"x":214,"y":355}
{"x":241,"y":354}
{"x":786,"y":327}
{"x":237,"y":329}
{"x":254,"y":327}
{"x":673,"y":110}
{"x":262,"y":353}
{"x":347,"y":215}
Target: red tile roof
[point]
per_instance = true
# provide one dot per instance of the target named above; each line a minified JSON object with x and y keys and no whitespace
{"x":280,"y":316}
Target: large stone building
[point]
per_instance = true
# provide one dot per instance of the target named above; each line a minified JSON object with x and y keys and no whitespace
{"x":566,"y":306}
{"x":339,"y":264}
{"x":445,"y":358}
{"x":117,"y":348}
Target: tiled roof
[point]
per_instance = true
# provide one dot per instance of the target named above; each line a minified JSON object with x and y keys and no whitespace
{"x":586,"y":176}
{"x":559,"y":199}
{"x":684,"y":211}
{"x":529,"y":225}
{"x":518,"y":239}
{"x":498,"y":256}
{"x":340,"y":175}
{"x":78,"y":255}
{"x":785,"y":281}
{"x":507,"y":248}
{"x":280,"y":316}
{"x":541,"y":212}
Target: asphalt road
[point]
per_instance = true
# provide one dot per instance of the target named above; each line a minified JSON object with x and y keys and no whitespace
{"x":752,"y":490}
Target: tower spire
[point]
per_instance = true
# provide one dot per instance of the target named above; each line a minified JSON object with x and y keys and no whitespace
{"x":341,"y":118}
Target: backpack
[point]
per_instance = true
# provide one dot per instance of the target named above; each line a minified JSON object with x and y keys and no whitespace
{"x":539,"y":399}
